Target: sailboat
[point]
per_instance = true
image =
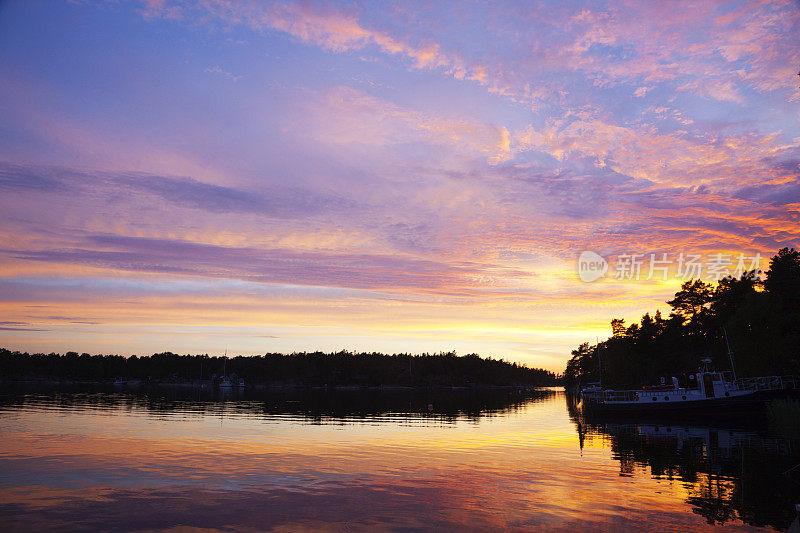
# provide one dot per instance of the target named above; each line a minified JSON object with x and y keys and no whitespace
{"x":227,"y":382}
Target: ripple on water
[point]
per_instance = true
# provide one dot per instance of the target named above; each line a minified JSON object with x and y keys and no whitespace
{"x":127,"y":462}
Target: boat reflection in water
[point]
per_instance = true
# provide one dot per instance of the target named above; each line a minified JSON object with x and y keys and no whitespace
{"x":736,"y":468}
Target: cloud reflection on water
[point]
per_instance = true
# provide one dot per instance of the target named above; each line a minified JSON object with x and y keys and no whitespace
{"x":123,"y":462}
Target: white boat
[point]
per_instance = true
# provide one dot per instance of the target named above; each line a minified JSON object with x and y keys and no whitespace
{"x":229,"y":382}
{"x":707,"y":390}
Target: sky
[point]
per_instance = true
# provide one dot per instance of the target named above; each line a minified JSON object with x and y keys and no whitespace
{"x":251,"y":176}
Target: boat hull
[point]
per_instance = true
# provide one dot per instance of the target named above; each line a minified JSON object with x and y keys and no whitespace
{"x":744,"y":402}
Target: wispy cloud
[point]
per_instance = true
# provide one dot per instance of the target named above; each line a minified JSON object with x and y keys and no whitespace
{"x":388,"y":273}
{"x":344,"y":115}
{"x":216,"y":69}
{"x":280,"y":202}
{"x":624,"y":43}
{"x":644,"y":152}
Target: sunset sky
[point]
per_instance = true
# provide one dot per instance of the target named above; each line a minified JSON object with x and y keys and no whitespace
{"x":400,"y":177}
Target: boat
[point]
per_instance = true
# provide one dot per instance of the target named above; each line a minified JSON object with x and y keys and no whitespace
{"x":231,"y":381}
{"x":707,"y":391}
{"x":127,"y":382}
{"x":227,"y":382}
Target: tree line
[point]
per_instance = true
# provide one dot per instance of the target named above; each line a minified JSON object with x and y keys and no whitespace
{"x":757,"y":315}
{"x":296,"y":369}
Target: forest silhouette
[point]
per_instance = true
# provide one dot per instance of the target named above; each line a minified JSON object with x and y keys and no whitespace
{"x":303,"y":369}
{"x":757,"y":315}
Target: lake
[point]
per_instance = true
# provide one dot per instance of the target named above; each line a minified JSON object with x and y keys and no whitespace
{"x":395,"y":460}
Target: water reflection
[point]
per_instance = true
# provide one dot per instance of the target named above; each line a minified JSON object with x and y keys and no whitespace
{"x":311,"y":406}
{"x":734,"y":469}
{"x":461,"y":459}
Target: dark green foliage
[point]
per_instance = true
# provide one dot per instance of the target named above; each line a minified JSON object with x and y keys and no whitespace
{"x":692,"y":298}
{"x":583,"y":364}
{"x":761,"y":318}
{"x":617,"y":327}
{"x":297,"y":369}
{"x":783,"y":278}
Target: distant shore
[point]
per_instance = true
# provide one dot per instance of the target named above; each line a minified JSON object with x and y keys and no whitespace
{"x":46,"y":382}
{"x":297,"y":371}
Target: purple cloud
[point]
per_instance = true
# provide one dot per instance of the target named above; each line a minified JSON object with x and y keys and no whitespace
{"x":26,"y":178}
{"x":363,"y":271}
{"x":280,"y":202}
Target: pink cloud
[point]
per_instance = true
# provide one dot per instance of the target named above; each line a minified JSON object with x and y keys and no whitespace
{"x":663,"y":41}
{"x":344,"y":115}
{"x":642,"y":152}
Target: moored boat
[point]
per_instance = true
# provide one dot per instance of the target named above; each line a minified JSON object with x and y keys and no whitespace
{"x":706,"y":391}
{"x":231,"y":381}
{"x":227,"y":382}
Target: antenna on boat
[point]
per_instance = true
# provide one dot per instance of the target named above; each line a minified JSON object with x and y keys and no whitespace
{"x":599,"y":366}
{"x":730,"y":353}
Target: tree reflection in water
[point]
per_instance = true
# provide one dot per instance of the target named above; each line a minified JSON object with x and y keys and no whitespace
{"x":731,"y":469}
{"x":312,"y":405}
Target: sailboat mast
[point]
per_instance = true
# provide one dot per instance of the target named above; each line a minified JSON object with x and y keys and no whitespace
{"x":599,"y":366}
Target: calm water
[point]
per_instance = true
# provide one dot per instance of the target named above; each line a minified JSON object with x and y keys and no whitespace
{"x":399,"y":461}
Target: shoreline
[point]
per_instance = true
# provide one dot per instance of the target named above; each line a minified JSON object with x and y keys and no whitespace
{"x":208,"y":385}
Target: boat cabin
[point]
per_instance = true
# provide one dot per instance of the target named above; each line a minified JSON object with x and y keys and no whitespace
{"x":711,"y":384}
